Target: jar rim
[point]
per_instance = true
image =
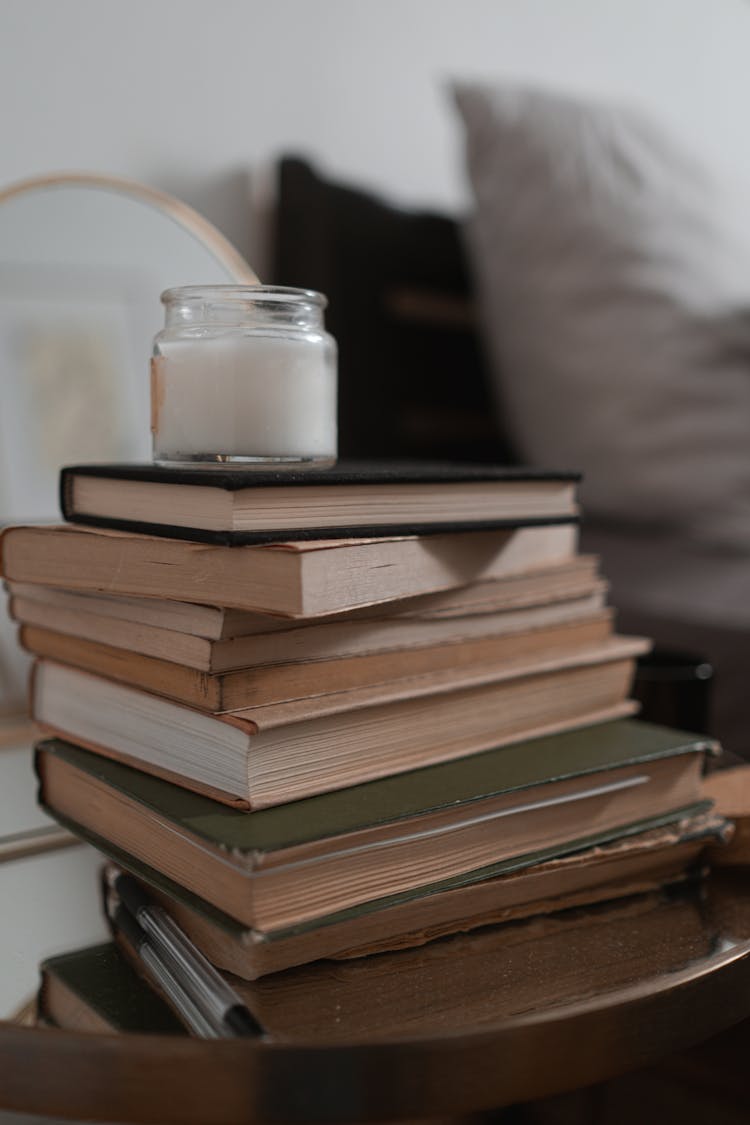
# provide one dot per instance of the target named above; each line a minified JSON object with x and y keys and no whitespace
{"x":276,"y":293}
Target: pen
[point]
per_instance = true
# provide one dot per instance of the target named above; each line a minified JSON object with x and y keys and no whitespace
{"x":205,"y":985}
{"x":137,"y":939}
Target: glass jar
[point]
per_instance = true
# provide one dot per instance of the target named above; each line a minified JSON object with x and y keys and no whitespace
{"x":244,"y":375}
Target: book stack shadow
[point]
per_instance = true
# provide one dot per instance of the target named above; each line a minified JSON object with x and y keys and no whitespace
{"x":332,"y":714}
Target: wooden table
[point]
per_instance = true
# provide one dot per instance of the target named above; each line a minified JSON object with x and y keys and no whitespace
{"x":463,"y":1024}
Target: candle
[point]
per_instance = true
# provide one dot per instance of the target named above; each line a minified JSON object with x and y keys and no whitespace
{"x":244,"y":374}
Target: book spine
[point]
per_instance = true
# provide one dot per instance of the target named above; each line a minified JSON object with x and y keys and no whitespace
{"x":66,"y":494}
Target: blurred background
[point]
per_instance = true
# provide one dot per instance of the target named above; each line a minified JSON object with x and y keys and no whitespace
{"x":202,"y":103}
{"x":530,"y":220}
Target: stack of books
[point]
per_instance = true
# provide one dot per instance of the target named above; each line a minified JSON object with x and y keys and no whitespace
{"x":331,"y":713}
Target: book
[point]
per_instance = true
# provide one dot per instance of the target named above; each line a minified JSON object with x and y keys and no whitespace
{"x":274,"y":683}
{"x":730,"y":790}
{"x":254,"y":639}
{"x":629,"y":865}
{"x":267,"y":755}
{"x":351,"y":499}
{"x":96,"y":990}
{"x":292,"y":579}
{"x":434,"y":827}
{"x":469,"y":981}
{"x":573,"y":578}
{"x":566,"y":579}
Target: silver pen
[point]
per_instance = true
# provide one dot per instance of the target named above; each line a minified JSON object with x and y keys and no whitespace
{"x":208,"y":989}
{"x":181,"y":1001}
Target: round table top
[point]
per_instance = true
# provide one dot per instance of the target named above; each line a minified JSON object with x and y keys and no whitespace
{"x":484,"y":1019}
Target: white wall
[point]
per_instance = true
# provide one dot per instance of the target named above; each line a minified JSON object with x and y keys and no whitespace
{"x":188,"y":95}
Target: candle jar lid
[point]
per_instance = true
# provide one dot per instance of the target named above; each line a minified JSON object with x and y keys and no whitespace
{"x":244,"y":375}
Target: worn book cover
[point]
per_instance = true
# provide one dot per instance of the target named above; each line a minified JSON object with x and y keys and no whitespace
{"x":634,"y":863}
{"x":95,"y":989}
{"x":311,"y":859}
{"x":291,"y":578}
{"x":271,"y":683}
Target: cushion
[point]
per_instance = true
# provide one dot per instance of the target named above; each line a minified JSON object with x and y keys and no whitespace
{"x":614,"y":277}
{"x":413,"y":381}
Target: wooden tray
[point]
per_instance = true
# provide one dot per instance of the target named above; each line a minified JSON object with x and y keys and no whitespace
{"x":463,"y":1024}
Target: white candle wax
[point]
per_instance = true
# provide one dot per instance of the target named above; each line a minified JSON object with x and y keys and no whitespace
{"x":245,"y":396}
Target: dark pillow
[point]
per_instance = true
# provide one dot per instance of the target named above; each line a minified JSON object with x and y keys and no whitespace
{"x":413,"y":382}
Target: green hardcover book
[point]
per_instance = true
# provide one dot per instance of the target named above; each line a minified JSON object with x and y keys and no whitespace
{"x":430,"y":829}
{"x":648,"y":856}
{"x":95,"y":989}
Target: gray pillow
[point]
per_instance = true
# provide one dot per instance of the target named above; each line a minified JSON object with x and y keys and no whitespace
{"x":614,"y":277}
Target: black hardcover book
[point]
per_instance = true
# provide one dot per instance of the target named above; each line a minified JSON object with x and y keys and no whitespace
{"x":351,"y":500}
{"x":95,"y":989}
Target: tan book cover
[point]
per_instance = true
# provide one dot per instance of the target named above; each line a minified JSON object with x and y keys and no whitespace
{"x":275,"y":683}
{"x":293,"y":579}
{"x":279,"y":752}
